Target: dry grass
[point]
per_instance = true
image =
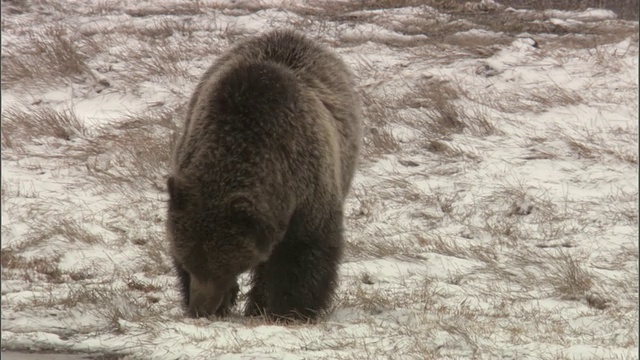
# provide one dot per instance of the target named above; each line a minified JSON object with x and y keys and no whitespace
{"x":536,"y":99}
{"x":623,"y":207}
{"x":494,"y":16}
{"x":380,"y":142}
{"x":32,"y":269}
{"x":375,"y":298}
{"x":156,"y":59}
{"x":15,"y":7}
{"x":161,"y":50}
{"x":438,"y":101}
{"x":70,"y":230}
{"x":570,"y":279}
{"x":154,"y":256}
{"x":462,"y":16}
{"x":22,"y":127}
{"x":135,"y":153}
{"x":538,"y":150}
{"x":47,"y":59}
{"x":588,"y":145}
{"x":117,"y":306}
{"x":442,"y":147}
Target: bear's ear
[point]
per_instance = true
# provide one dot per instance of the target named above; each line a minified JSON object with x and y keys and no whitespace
{"x":177,"y":193}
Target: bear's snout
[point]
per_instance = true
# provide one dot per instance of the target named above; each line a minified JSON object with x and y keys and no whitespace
{"x":209,"y":297}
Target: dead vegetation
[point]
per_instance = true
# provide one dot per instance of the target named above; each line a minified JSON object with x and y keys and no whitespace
{"x":32,"y":270}
{"x":537,"y":99}
{"x":438,"y":101}
{"x":70,"y":230}
{"x":47,"y":59}
{"x":570,"y":279}
{"x":135,"y":153}
{"x":155,"y":59}
{"x":442,"y":147}
{"x":381,"y":142}
{"x":461,"y":16}
{"x":21,"y":127}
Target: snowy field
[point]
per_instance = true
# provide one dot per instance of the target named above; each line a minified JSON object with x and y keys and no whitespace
{"x":494,"y":214}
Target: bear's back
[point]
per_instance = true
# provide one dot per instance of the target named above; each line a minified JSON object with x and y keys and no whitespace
{"x":253,"y":94}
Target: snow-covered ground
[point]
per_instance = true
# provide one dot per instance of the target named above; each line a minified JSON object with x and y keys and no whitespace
{"x":494,"y":213}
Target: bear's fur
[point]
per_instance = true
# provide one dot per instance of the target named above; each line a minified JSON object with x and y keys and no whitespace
{"x":259,"y":178}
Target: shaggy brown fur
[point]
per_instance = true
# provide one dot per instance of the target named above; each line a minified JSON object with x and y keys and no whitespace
{"x":259,"y":178}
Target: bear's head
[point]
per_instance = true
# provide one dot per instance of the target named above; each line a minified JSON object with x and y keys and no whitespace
{"x":215,"y":237}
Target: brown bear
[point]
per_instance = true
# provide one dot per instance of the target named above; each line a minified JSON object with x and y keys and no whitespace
{"x":259,"y":177}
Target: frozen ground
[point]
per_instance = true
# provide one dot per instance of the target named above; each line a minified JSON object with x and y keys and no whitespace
{"x":494,"y":214}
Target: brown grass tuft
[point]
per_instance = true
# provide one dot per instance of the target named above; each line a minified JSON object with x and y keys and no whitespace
{"x":139,"y":150}
{"x":437,"y":101}
{"x":16,"y":266}
{"x":45,"y":58}
{"x":156,"y":59}
{"x":380,"y":142}
{"x":569,"y":278}
{"x":538,"y":99}
{"x":21,"y":127}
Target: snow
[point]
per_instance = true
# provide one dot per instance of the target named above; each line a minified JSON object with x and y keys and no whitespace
{"x":512,"y":237}
{"x":587,"y":15}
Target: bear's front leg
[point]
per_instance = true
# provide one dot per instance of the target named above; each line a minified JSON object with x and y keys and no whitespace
{"x":299,"y":279}
{"x":229,"y":300}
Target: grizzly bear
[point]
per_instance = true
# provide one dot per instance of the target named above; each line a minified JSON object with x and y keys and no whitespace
{"x":259,"y":176}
